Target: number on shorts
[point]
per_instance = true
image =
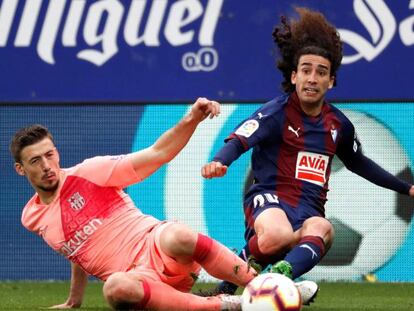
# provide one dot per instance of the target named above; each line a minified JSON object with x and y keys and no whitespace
{"x":260,"y":199}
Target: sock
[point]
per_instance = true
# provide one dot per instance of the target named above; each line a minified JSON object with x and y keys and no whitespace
{"x":222,"y":263}
{"x":227,"y":287}
{"x":306,"y":254}
{"x":245,"y":254}
{"x":162,"y":297}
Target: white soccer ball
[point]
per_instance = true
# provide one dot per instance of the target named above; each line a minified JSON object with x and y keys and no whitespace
{"x":370,"y":222}
{"x":271,"y":292}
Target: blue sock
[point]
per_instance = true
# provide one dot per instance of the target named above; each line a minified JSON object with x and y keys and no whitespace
{"x":226,"y":287}
{"x":305,"y":255}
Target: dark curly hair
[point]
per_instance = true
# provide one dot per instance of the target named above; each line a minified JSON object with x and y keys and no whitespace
{"x":311,"y":34}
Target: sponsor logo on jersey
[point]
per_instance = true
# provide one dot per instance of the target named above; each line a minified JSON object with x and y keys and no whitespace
{"x":312,"y":167}
{"x":248,"y":128}
{"x":71,"y":246}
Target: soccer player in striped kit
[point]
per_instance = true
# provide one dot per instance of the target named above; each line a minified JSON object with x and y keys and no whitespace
{"x":294,"y":138}
{"x":83,"y":213}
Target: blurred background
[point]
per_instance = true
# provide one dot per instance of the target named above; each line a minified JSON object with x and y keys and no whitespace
{"x":109,"y":76}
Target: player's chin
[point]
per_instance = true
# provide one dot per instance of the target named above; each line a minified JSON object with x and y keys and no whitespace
{"x":312,"y":99}
{"x":316,"y":94}
{"x":49,"y":186}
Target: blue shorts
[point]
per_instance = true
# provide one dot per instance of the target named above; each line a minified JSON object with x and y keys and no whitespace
{"x":255,"y":205}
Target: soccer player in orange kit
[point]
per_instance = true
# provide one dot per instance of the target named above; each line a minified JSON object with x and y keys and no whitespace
{"x":83,"y":213}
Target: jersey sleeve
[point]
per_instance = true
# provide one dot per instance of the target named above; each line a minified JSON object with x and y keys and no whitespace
{"x":108,"y":171}
{"x":259,"y":126}
{"x":349,"y":147}
{"x":28,"y":218}
{"x":350,"y":153}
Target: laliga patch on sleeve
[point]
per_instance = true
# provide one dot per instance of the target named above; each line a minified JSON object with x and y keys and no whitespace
{"x":248,"y":128}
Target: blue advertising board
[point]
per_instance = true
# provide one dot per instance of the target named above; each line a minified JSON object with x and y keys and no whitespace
{"x":177,"y":50}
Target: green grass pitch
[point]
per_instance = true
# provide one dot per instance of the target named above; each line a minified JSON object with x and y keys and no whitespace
{"x":332,"y":296}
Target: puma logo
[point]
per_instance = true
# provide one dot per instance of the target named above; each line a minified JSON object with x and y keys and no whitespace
{"x":294,"y":131}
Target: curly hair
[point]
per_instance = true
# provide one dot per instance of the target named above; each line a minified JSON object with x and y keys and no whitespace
{"x":311,"y":34}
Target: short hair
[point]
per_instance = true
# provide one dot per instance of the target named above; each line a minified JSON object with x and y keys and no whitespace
{"x":311,"y":34}
{"x":27,"y":136}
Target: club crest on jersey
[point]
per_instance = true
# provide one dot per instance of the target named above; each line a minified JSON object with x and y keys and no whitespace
{"x":248,"y":128}
{"x":76,"y":201}
{"x":312,"y":167}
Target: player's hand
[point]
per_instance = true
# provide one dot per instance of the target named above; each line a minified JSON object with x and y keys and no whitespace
{"x":213,"y":169}
{"x":67,"y":305}
{"x":204,"y":108}
{"x":411,"y":192}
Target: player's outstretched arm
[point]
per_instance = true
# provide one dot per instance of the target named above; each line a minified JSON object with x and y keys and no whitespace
{"x":213,"y":169}
{"x":78,"y":282}
{"x":169,"y":144}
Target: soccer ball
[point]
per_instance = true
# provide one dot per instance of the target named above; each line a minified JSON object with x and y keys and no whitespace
{"x":271,"y":292}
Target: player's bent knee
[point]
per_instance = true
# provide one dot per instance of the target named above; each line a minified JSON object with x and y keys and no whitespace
{"x":275,"y":241}
{"x":185,"y":237}
{"x":113,"y":287}
{"x":120,"y":291}
{"x":178,"y":240}
{"x":319,"y":226}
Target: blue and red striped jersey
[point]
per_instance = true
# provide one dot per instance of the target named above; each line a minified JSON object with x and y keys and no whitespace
{"x":293,"y":152}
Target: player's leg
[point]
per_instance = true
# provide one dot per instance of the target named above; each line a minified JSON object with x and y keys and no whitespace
{"x":267,"y":243}
{"x":286,"y":241}
{"x":185,"y":246}
{"x":132,"y":290}
{"x":226,"y":287}
{"x":271,"y":241}
{"x":314,"y":238}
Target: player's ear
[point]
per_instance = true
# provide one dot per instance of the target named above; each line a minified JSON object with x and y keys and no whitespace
{"x":331,"y":82}
{"x":19,"y":169}
{"x":293,"y":77}
{"x":58,"y":155}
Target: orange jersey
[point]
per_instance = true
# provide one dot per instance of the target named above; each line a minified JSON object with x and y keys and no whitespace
{"x":92,"y":221}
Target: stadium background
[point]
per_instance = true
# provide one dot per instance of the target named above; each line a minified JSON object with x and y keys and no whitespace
{"x":116,"y":100}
